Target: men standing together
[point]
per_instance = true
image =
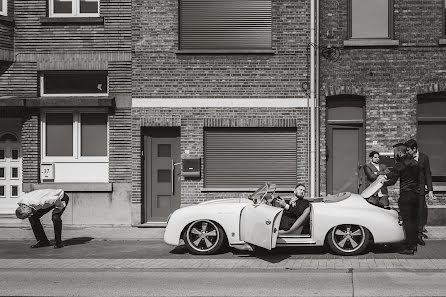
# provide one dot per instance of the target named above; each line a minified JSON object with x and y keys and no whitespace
{"x":412,"y":168}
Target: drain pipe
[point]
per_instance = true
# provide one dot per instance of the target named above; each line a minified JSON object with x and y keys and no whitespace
{"x":313,"y":76}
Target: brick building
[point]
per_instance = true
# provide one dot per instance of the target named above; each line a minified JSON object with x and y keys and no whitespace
{"x":217,"y":87}
{"x":382,"y":71}
{"x":65,"y":105}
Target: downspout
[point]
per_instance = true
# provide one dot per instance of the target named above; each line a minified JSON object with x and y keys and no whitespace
{"x":312,"y":104}
{"x":316,"y":108}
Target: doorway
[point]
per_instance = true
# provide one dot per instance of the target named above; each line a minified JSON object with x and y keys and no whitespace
{"x":10,"y":172}
{"x":345,"y":143}
{"x":162,"y":172}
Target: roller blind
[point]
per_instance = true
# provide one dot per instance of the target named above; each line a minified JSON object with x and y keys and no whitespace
{"x":225,"y":24}
{"x":248,"y":157}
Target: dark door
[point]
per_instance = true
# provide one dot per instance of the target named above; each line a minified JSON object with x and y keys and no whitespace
{"x":162,"y":172}
{"x":345,"y":154}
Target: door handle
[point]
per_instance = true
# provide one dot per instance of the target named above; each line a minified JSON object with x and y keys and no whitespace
{"x":172,"y":174}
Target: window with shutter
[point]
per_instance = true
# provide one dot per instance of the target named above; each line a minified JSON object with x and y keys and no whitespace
{"x":225,"y":25}
{"x":249,"y":157}
{"x":431,"y":126}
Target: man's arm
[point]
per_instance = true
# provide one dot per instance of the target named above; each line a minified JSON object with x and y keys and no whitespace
{"x":371,"y":176}
{"x":428,"y":173}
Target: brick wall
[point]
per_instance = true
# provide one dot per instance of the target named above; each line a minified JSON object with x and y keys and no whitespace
{"x":388,"y":78}
{"x":33,"y":35}
{"x":192,"y":121}
{"x":120,"y":153}
{"x":158,"y":71}
{"x":7,"y":29}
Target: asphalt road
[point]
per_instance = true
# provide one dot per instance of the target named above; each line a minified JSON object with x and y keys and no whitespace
{"x":81,"y":248}
{"x":221,"y":283}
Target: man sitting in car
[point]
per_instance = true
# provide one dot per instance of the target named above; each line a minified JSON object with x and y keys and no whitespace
{"x":295,"y":212}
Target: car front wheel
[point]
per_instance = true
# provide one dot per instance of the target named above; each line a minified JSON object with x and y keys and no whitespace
{"x":204,"y":237}
{"x":348,"y":239}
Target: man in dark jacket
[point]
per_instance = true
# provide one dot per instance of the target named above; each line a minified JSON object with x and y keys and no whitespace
{"x":406,"y":169}
{"x":425,"y":184}
{"x":294,"y":209}
{"x":372,"y":170}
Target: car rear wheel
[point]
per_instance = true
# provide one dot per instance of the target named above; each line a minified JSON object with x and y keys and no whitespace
{"x":204,"y":237}
{"x":348,"y":239}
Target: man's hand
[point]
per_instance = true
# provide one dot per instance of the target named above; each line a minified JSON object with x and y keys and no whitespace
{"x":281,"y":202}
{"x":382,"y":178}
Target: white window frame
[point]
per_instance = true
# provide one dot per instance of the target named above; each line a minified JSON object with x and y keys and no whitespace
{"x":4,"y":10}
{"x":76,"y":158}
{"x":75,"y":10}
{"x":42,"y":94}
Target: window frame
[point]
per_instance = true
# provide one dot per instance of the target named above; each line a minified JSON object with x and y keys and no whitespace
{"x":77,"y":137}
{"x":42,"y":84}
{"x":390,"y":33}
{"x":4,"y":11}
{"x":75,"y":10}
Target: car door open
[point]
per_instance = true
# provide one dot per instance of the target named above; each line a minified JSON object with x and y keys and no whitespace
{"x":259,"y":225}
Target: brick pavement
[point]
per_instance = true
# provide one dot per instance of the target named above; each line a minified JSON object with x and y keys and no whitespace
{"x":231,"y":264}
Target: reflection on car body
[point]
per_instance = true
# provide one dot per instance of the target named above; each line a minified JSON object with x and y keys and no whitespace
{"x":345,"y":222}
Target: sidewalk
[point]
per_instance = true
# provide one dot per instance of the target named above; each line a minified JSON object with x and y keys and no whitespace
{"x":130,"y":233}
{"x":95,"y":232}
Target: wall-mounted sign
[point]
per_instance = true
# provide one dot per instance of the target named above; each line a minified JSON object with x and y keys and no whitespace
{"x":47,"y":172}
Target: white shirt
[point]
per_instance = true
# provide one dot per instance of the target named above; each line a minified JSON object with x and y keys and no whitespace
{"x":41,"y":199}
{"x":416,"y":156}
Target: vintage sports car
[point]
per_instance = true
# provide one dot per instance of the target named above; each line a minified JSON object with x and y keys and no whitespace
{"x":345,"y":222}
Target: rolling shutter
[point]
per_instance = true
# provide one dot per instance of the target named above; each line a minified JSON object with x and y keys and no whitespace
{"x":225,"y":24}
{"x":249,"y":157}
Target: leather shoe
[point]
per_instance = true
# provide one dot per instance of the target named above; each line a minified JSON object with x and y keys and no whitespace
{"x":40,"y":244}
{"x":421,"y":240}
{"x":58,"y":245}
{"x":424,"y":236}
{"x":406,"y":251}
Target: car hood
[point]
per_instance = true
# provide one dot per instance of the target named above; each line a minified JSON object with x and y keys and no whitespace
{"x":227,"y":201}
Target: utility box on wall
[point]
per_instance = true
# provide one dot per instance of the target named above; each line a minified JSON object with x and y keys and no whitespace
{"x":192,"y":168}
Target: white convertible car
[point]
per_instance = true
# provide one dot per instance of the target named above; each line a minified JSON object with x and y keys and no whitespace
{"x":346,"y":222}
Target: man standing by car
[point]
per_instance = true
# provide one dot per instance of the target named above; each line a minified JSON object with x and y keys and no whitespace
{"x":406,"y":169}
{"x":425,"y":183}
{"x":296,"y":209}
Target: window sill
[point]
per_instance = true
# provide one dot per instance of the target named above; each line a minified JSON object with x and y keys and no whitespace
{"x":74,"y":187}
{"x":6,"y":19}
{"x":72,"y":20}
{"x":442,"y":41}
{"x":242,"y":189}
{"x":371,"y":42}
{"x":96,"y":101}
{"x":224,"y":52}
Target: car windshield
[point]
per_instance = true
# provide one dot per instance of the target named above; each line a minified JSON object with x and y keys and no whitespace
{"x":263,"y":194}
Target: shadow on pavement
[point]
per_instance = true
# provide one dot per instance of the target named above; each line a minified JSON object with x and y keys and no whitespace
{"x":77,"y":240}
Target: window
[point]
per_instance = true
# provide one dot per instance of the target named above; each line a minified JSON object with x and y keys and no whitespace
{"x":74,"y":8}
{"x":249,"y":157}
{"x":431,"y":126}
{"x":4,"y":7}
{"x":73,"y":83}
{"x":225,"y":25}
{"x":371,"y":19}
{"x":74,"y":136}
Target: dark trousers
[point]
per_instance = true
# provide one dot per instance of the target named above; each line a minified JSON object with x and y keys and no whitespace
{"x":37,"y":227}
{"x":422,"y":213}
{"x":409,"y":205}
